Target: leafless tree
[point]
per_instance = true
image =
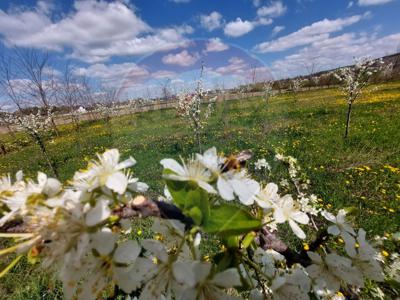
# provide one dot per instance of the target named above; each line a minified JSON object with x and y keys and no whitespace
{"x":38,"y":77}
{"x":312,"y":66}
{"x":164,"y":84}
{"x":8,"y":85}
{"x":148,"y":94}
{"x":70,"y":92}
{"x":396,"y":62}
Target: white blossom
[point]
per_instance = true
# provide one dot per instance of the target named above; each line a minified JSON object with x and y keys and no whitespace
{"x":262,"y":164}
{"x":107,"y":172}
{"x":286,"y":211}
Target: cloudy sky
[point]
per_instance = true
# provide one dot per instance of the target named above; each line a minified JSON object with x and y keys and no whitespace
{"x":137,"y":44}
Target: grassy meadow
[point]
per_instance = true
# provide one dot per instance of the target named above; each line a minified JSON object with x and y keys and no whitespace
{"x":362,"y":171}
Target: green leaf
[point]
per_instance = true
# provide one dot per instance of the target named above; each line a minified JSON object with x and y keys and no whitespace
{"x":228,"y":220}
{"x":196,"y":215}
{"x":248,"y":239}
{"x":231,"y":241}
{"x":188,"y":196}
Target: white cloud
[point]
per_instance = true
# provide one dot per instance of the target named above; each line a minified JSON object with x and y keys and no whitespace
{"x":162,"y":40}
{"x":94,"y":30}
{"x":163,"y":74}
{"x":183,"y":59}
{"x":277,"y":29}
{"x":238,"y":28}
{"x":262,"y":21}
{"x":113,"y":71}
{"x":216,"y":45}
{"x":317,"y":31}
{"x":372,"y":2}
{"x":336,"y":51}
{"x":180,"y":1}
{"x":211,"y":21}
{"x":236,"y":66}
{"x":275,"y":9}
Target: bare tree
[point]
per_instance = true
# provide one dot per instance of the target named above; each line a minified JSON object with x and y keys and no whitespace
{"x":312,"y":66}
{"x":165,"y":88}
{"x":39,"y":82}
{"x":396,"y":62}
{"x":8,"y":85}
{"x":69,"y":93}
{"x":87,"y":97}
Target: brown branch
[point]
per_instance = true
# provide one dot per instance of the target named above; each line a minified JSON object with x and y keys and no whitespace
{"x":269,"y":240}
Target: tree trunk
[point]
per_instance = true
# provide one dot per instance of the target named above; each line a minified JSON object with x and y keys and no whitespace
{"x":348,"y":120}
{"x":53,"y":124}
{"x":3,"y":149}
{"x":45,"y":154}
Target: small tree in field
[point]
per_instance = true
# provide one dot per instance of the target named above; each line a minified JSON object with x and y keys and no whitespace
{"x":354,"y":79}
{"x":295,"y":86}
{"x":34,"y":125}
{"x":189,"y":108}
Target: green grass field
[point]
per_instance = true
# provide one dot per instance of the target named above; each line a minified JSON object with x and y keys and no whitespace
{"x":362,"y":171}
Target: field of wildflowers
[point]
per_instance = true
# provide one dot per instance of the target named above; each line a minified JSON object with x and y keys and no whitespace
{"x":361,"y":172}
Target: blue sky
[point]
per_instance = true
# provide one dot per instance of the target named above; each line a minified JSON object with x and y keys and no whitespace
{"x":138,"y":43}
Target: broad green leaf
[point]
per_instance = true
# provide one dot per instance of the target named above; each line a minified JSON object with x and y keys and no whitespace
{"x":196,"y":215}
{"x":228,"y":220}
{"x":187,"y":196}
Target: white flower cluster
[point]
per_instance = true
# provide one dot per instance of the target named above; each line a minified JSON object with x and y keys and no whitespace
{"x":326,"y":273}
{"x":71,"y":226}
{"x":214,"y":174}
{"x":106,"y":111}
{"x":268,"y":91}
{"x":296,"y":84}
{"x":356,"y":77}
{"x":307,"y":202}
{"x":32,"y":123}
{"x":189,"y":107}
{"x":78,"y":229}
{"x":262,"y":164}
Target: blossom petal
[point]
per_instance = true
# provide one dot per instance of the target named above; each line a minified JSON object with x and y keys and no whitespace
{"x":297,"y":230}
{"x":126,"y":164}
{"x":279,"y":216}
{"x":201,"y":270}
{"x":52,"y":187}
{"x":173,"y":165}
{"x":246,"y":190}
{"x":225,"y":189}
{"x":207,"y":187}
{"x":127,"y":252}
{"x":156,"y":248}
{"x":98,"y":213}
{"x":300,"y":217}
{"x":132,"y":278}
{"x":328,"y":216}
{"x":117,"y":182}
{"x":110,"y":157}
{"x":315,"y":257}
{"x":183,"y":273}
{"x":139,"y":187}
{"x":334,"y":230}
{"x":227,"y":278}
{"x":104,"y":242}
